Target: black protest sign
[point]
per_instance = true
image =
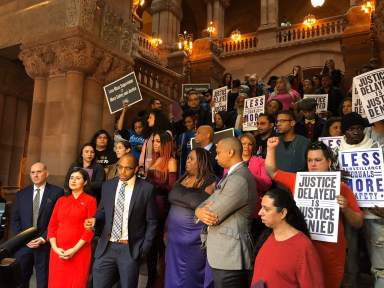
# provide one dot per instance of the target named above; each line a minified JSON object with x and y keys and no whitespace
{"x":121,"y":90}
{"x":370,"y":88}
{"x":315,"y":195}
{"x":199,"y":87}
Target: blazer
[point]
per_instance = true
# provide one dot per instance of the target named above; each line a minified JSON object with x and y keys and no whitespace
{"x":22,"y":210}
{"x":229,"y":243}
{"x":142,"y":219}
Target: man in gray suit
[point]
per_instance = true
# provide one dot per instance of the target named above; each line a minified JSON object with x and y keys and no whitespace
{"x":228,"y":213}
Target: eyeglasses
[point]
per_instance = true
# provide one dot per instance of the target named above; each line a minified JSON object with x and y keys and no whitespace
{"x":283,"y":120}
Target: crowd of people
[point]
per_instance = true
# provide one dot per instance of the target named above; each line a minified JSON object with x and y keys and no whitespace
{"x":205,"y":214}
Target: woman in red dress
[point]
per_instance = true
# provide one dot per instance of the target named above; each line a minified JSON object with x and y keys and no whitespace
{"x":70,"y":243}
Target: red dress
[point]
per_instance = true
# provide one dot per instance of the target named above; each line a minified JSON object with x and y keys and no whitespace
{"x":67,"y":226}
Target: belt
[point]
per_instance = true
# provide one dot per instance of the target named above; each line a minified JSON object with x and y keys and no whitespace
{"x":125,"y":242}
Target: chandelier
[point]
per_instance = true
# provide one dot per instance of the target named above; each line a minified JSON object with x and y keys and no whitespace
{"x":368,"y":6}
{"x":236,"y":35}
{"x":309,"y":20}
{"x":156,"y":42}
{"x":185,"y":42}
{"x":317,"y":3}
{"x":211,"y":28}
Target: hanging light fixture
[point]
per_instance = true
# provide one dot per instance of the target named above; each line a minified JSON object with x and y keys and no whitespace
{"x":185,"y":42}
{"x":236,"y":35}
{"x":156,"y":42}
{"x":211,"y":28}
{"x":317,"y":3}
{"x":368,"y":6}
{"x":309,"y":20}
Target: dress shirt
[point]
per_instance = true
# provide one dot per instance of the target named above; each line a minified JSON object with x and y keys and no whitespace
{"x":208,"y":147}
{"x":42,"y":188}
{"x":128,"y":196}
{"x":233,"y":167}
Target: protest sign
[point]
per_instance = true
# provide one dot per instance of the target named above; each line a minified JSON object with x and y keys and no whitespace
{"x":315,"y":195}
{"x":370,"y":88}
{"x":321,"y":100}
{"x":217,"y":136}
{"x":365,"y":168}
{"x":199,"y":87}
{"x":220,"y":99}
{"x":331,"y":142}
{"x":357,"y":106}
{"x":252,"y":108}
{"x":121,"y":90}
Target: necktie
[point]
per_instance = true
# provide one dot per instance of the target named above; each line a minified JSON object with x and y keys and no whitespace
{"x":118,"y":215}
{"x":218,"y":186}
{"x":36,"y":206}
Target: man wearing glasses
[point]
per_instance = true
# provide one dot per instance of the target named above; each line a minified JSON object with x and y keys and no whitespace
{"x":290,"y":153}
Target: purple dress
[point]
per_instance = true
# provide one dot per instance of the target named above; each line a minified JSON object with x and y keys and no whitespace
{"x":185,"y":259}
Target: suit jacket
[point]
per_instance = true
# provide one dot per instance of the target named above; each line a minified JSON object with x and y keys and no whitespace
{"x":142,"y":219}
{"x":229,"y":243}
{"x":22,"y":210}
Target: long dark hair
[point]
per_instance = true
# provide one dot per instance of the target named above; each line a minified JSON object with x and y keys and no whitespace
{"x":282,"y":199}
{"x":109,"y":142}
{"x":161,"y":122}
{"x":328,"y":124}
{"x":204,"y":167}
{"x":80,"y":158}
{"x":87,"y":188}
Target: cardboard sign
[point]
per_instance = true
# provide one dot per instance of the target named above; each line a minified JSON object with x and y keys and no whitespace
{"x":253,"y":107}
{"x":370,"y":88}
{"x":365,"y":168}
{"x":220,"y":100}
{"x":217,"y":136}
{"x":321,"y":100}
{"x":331,"y":142}
{"x":357,"y":105}
{"x":121,"y":90}
{"x":315,"y":195}
{"x":199,"y":87}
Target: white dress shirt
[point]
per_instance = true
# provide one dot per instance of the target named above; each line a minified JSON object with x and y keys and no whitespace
{"x":42,"y":188}
{"x":127,"y":202}
{"x":208,"y":147}
{"x":233,"y":167}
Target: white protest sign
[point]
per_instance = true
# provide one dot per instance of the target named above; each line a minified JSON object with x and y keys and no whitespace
{"x":366,"y":169}
{"x":321,"y":100}
{"x":331,"y":142}
{"x":357,"y":105}
{"x":370,"y":88}
{"x":220,"y":99}
{"x":252,"y":108}
{"x":315,"y":195}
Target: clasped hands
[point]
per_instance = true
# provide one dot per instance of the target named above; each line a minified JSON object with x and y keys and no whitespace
{"x":207,"y":216}
{"x":64,"y":254}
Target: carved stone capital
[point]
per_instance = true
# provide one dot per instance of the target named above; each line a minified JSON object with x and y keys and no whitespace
{"x":173,"y":6}
{"x":37,"y":61}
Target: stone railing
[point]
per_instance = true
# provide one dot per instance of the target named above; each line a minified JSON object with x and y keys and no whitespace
{"x":323,"y":29}
{"x":145,"y":47}
{"x":157,"y":79}
{"x":247,"y":43}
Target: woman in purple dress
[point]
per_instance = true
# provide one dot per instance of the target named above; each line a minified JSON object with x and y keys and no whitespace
{"x":185,"y":259}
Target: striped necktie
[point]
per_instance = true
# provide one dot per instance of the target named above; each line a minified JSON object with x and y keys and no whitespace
{"x":36,"y":207}
{"x":118,"y":215}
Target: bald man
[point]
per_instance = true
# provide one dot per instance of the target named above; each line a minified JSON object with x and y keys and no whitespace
{"x":204,"y":139}
{"x":228,"y":214}
{"x":127,"y":215}
{"x":33,"y":207}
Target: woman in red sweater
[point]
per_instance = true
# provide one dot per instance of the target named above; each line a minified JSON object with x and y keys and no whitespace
{"x":319,"y":159}
{"x":287,"y":257}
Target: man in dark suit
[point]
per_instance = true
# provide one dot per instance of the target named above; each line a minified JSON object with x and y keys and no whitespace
{"x":128,"y":212}
{"x":33,"y":207}
{"x":204,"y":139}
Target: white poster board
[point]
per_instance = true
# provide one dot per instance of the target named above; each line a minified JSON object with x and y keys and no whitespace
{"x":365,"y":168}
{"x":331,"y":142}
{"x":220,"y":100}
{"x":315,"y":195}
{"x":357,"y":105}
{"x":321,"y":100}
{"x":253,"y":107}
{"x":370,"y":88}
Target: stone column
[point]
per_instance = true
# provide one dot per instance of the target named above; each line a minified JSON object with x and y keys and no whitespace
{"x":166,"y":17}
{"x":269,"y":14}
{"x":215,"y":13}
